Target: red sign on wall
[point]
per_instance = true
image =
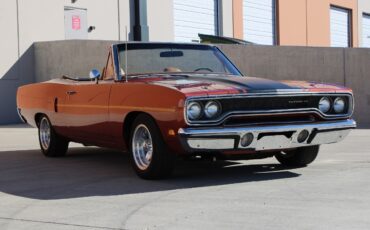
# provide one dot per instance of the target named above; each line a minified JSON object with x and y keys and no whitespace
{"x":76,"y":22}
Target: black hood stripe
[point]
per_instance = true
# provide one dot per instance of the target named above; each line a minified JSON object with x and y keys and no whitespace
{"x":250,"y":84}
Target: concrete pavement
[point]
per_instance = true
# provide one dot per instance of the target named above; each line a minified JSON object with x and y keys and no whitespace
{"x":96,"y":189}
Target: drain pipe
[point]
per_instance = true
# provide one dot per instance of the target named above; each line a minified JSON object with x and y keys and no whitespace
{"x":141,"y":29}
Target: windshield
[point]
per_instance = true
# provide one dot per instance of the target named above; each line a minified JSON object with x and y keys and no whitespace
{"x":145,"y":58}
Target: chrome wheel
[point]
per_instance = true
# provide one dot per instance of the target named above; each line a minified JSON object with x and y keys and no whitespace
{"x":45,"y":132}
{"x":142,"y":147}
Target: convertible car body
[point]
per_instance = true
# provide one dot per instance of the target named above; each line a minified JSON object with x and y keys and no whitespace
{"x":161,"y":100}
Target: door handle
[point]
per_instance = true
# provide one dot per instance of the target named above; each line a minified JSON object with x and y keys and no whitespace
{"x":71,"y":92}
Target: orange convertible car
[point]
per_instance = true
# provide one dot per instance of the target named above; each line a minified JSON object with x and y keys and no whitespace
{"x":162,"y":100}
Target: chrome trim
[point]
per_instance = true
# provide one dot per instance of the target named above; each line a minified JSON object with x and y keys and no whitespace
{"x":225,"y":116}
{"x":282,"y":92}
{"x":116,"y":62}
{"x":210,"y":144}
{"x":142,"y":147}
{"x":20,"y":115}
{"x":45,"y":133}
{"x":265,"y":137}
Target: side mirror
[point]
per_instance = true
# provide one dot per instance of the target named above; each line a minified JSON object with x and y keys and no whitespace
{"x":95,"y":75}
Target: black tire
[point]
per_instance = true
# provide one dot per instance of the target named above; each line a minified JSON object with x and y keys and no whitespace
{"x":56,"y":146}
{"x":161,"y":163}
{"x":299,"y":157}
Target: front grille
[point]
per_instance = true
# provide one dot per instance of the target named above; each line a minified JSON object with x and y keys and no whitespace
{"x":269,"y":103}
{"x":262,"y":105}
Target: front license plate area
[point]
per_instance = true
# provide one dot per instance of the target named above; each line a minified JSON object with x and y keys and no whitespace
{"x":273,"y":142}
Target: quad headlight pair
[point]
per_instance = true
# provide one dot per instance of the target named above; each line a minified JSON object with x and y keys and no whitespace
{"x":326,"y":104}
{"x":196,"y":110}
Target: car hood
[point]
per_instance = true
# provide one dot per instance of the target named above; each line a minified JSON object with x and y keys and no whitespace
{"x":207,"y":85}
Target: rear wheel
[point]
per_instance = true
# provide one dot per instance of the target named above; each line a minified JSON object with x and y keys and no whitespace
{"x":299,"y":157}
{"x":149,"y":156}
{"x":51,"y":144}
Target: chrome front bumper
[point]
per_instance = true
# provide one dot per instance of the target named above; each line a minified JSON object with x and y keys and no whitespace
{"x":264,"y":137}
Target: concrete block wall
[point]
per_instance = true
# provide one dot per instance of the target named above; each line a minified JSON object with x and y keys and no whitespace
{"x":69,"y":57}
{"x":350,"y":67}
{"x":357,"y":72}
{"x":288,"y":63}
{"x":21,"y":73}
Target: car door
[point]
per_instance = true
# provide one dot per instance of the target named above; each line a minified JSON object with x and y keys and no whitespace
{"x":87,"y":111}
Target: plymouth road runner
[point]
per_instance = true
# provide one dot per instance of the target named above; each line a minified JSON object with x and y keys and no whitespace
{"x":159,"y":101}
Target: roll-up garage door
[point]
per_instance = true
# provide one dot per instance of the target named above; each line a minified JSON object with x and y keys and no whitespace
{"x":366,"y":30}
{"x":259,"y":21}
{"x":192,"y":17}
{"x":339,"y":27}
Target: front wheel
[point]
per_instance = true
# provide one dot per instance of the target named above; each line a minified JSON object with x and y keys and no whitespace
{"x":299,"y":157}
{"x":149,"y":156}
{"x":51,"y":144}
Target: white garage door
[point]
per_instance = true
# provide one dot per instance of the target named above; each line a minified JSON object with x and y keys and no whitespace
{"x":366,"y":30}
{"x":193,"y":17}
{"x":339,"y":27}
{"x":259,"y":21}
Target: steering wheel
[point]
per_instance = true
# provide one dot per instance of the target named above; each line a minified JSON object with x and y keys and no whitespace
{"x":203,"y":68}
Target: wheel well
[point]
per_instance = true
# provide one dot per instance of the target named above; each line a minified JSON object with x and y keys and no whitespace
{"x":38,"y":118}
{"x":128,"y":122}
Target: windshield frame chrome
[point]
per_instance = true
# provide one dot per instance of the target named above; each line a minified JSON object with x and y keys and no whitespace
{"x":116,"y":60}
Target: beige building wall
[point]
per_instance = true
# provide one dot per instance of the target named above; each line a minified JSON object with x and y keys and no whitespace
{"x":160,"y":20}
{"x":43,"y":20}
{"x":125,"y":20}
{"x":300,"y":22}
{"x":226,"y":18}
{"x":38,"y":24}
{"x":110,"y":18}
{"x":307,"y":22}
{"x":40,"y":20}
{"x":101,"y":14}
{"x":319,"y":21}
{"x":363,"y":7}
{"x":9,"y":38}
{"x":238,"y":19}
{"x":292,"y":32}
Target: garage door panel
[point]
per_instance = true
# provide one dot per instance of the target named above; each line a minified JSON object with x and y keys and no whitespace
{"x":366,"y":31}
{"x":193,"y":25}
{"x":339,"y":27}
{"x":259,"y":11}
{"x":257,"y":26}
{"x":259,"y":21}
{"x":193,"y":3}
{"x":196,"y":18}
{"x":202,"y":11}
{"x":262,"y":4}
{"x":192,"y":17}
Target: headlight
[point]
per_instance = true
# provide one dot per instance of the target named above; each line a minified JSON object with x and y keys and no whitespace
{"x":212,"y":109}
{"x":324,"y":105}
{"x":194,"y":111}
{"x":339,"y":105}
